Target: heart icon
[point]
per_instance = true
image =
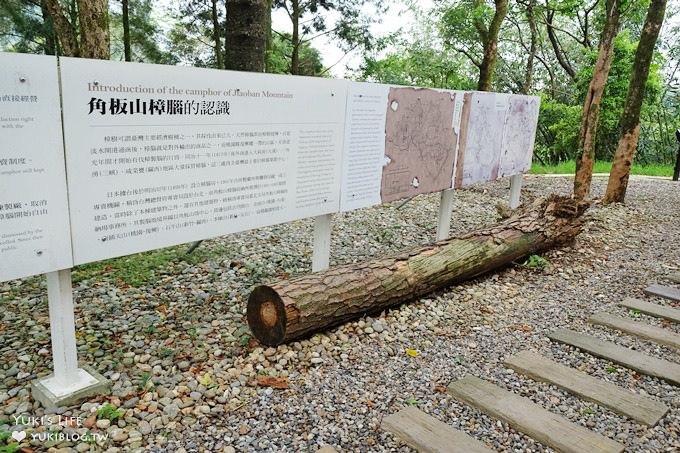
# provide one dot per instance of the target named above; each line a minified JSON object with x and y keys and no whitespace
{"x":19,"y":435}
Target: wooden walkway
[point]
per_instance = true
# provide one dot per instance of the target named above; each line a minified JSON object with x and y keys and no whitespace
{"x":640,"y":408}
{"x":656,"y":310}
{"x":667,"y":292}
{"x":427,"y":434}
{"x":637,"y":328}
{"x":550,"y":429}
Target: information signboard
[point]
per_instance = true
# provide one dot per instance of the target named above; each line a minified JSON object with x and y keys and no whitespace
{"x":34,"y":224}
{"x":497,"y":136}
{"x":160,"y":155}
{"x":399,"y":142}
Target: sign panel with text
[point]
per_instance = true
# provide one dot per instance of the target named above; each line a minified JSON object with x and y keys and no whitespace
{"x":160,"y":155}
{"x":399,"y":142}
{"x":34,"y":223}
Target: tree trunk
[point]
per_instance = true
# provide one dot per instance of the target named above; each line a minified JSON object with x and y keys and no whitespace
{"x":219,"y":61}
{"x":630,"y":122}
{"x":290,"y":309}
{"x":295,"y":38}
{"x":63,"y":29}
{"x":529,"y":71}
{"x":246,"y":35}
{"x":676,"y":169}
{"x":48,"y":30}
{"x":94,"y":29}
{"x":126,"y":30}
{"x":591,"y":106}
{"x":489,"y":38}
{"x":268,"y":45}
{"x":559,"y":53}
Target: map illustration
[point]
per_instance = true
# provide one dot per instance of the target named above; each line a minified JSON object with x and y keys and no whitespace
{"x":519,"y":134}
{"x":483,"y":132}
{"x":420,"y":143}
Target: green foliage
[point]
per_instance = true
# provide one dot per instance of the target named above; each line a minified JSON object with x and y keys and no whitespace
{"x":569,"y":167}
{"x":279,"y":57}
{"x":634,"y":313}
{"x":536,"y":262}
{"x":23,"y":29}
{"x":558,"y":131}
{"x":147,"y":43}
{"x":612,"y":369}
{"x":109,"y":412}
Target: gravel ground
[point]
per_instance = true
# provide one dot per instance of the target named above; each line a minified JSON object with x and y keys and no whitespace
{"x":184,"y":370}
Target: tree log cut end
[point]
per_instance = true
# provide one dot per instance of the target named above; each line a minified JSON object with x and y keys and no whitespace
{"x":267,"y":316}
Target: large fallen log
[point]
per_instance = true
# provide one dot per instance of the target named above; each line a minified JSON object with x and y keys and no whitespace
{"x":290,"y":309}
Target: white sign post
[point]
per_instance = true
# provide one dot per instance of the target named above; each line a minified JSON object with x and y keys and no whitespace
{"x":515,"y":190}
{"x":68,"y":383}
{"x":444,"y":219}
{"x":321,"y":254}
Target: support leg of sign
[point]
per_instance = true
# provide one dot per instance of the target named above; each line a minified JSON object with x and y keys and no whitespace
{"x":445,"y":208}
{"x":68,"y":384}
{"x":515,"y":189}
{"x":322,"y":242}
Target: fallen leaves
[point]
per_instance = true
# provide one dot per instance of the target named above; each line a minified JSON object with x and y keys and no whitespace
{"x":273,"y":382}
{"x":412,"y":352}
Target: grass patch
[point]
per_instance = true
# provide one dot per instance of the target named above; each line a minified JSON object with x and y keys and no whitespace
{"x":569,"y":167}
{"x":141,"y":268}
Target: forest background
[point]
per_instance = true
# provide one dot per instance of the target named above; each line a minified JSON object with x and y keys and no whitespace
{"x":547,"y":48}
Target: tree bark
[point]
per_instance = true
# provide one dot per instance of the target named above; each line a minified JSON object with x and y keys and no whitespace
{"x":94,"y":29}
{"x":127,"y":48}
{"x":489,"y":38}
{"x":290,"y":309}
{"x":295,"y":38}
{"x":630,"y":122}
{"x":219,"y":61}
{"x":591,"y":106}
{"x":246,"y":35}
{"x":529,"y":71}
{"x":48,"y":27}
{"x":559,"y":54}
{"x":63,"y":29}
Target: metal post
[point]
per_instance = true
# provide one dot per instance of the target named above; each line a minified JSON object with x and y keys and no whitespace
{"x":445,"y":208}
{"x":321,"y":254}
{"x":515,"y":190}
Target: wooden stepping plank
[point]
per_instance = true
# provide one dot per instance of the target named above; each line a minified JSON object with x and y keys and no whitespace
{"x":550,"y":429}
{"x":640,"y":408}
{"x":427,"y":434}
{"x":666,"y":292}
{"x":652,"y":309}
{"x":639,"y":329}
{"x":629,"y":358}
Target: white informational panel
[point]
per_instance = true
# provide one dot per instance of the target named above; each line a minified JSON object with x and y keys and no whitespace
{"x":160,"y":155}
{"x":399,"y":142}
{"x":497,"y":136}
{"x":34,"y":225}
{"x":519,"y":135}
{"x":364,"y":154}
